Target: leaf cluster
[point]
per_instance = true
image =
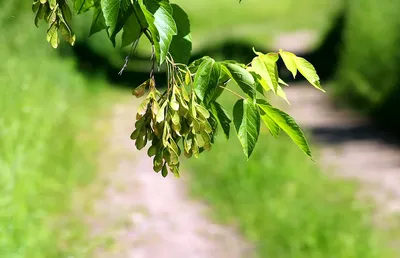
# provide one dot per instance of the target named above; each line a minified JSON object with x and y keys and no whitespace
{"x":185,"y":118}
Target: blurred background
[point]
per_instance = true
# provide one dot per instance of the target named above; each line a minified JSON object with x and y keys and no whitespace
{"x":57,"y":113}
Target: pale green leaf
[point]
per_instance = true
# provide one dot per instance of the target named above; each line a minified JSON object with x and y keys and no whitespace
{"x":181,"y":45}
{"x":222,"y":117}
{"x":287,"y":124}
{"x":158,"y":14}
{"x":265,"y":66}
{"x":308,"y":71}
{"x":282,"y":94}
{"x":206,"y":79}
{"x":241,"y":77}
{"x":246,"y":118}
{"x":288,"y":59}
{"x":273,"y":127}
{"x":115,"y":13}
{"x":280,"y":81}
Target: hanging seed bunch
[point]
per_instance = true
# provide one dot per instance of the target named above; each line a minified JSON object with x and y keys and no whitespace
{"x":174,"y":122}
{"x":58,"y":15}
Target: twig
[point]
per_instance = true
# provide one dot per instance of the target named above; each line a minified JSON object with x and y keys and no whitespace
{"x":234,"y":93}
{"x":131,"y":51}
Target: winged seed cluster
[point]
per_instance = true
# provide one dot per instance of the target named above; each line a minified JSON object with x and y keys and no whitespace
{"x":168,"y":119}
{"x":184,"y":118}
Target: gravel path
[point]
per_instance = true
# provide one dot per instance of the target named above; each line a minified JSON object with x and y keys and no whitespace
{"x":146,"y":216}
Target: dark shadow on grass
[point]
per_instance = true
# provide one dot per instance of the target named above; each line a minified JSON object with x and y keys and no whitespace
{"x":324,"y":58}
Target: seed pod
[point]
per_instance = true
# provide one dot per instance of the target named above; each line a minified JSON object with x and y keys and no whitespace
{"x":185,"y":94}
{"x":177,"y":129}
{"x":185,"y":129}
{"x":199,"y":140}
{"x":175,"y":170}
{"x":173,"y":103}
{"x":175,"y":118}
{"x":155,"y":108}
{"x":141,"y":142}
{"x":188,"y":78}
{"x":202,"y":111}
{"x":135,"y":134}
{"x":158,"y":161}
{"x":161,"y":113}
{"x":152,"y":151}
{"x":141,"y":89}
{"x":158,"y":129}
{"x":187,"y":143}
{"x":139,"y":123}
{"x":195,"y":150}
{"x":150,"y":134}
{"x":188,"y":154}
{"x":143,"y":107}
{"x":164,"y":171}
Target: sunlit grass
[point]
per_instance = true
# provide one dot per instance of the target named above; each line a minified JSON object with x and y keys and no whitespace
{"x":47,"y":142}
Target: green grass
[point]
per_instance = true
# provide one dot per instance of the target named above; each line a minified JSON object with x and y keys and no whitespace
{"x":283,"y":203}
{"x":47,"y":141}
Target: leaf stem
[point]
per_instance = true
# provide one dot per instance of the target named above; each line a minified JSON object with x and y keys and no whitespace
{"x":234,"y":93}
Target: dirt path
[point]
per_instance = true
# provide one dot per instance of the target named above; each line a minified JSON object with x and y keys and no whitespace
{"x":145,"y":215}
{"x":350,"y":145}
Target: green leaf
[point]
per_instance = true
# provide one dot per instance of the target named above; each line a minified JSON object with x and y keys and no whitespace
{"x":287,"y":124}
{"x":158,"y":14}
{"x":181,"y":45}
{"x":98,"y":22}
{"x":294,"y":63}
{"x":308,"y":71}
{"x":194,"y":66}
{"x":282,"y":94}
{"x":131,"y":31}
{"x":206,"y":79}
{"x":265,"y":66}
{"x":115,"y":13}
{"x":82,"y":6}
{"x":280,"y":81}
{"x":273,"y":127}
{"x":223,"y":81}
{"x":246,"y":118}
{"x":241,"y":77}
{"x":52,"y":35}
{"x":222,"y":117}
{"x":288,"y":59}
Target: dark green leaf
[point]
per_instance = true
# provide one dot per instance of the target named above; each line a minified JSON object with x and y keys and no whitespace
{"x":98,"y":22}
{"x":82,"y":6}
{"x":246,"y":118}
{"x":287,"y":124}
{"x":115,"y":13}
{"x":222,"y":117}
{"x":223,"y":81}
{"x":131,"y":31}
{"x":241,"y":77}
{"x":158,"y":14}
{"x":181,"y":45}
{"x":206,"y":79}
{"x":194,"y":66}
